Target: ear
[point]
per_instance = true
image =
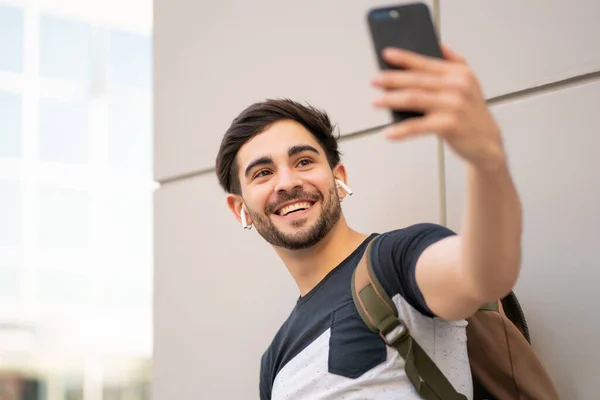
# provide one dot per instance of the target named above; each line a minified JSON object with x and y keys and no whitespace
{"x":339,"y":173}
{"x":235,"y":204}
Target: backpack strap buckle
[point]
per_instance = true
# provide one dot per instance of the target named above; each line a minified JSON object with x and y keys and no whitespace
{"x":396,"y":335}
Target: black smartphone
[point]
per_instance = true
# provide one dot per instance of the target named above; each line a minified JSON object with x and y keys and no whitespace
{"x":408,"y":26}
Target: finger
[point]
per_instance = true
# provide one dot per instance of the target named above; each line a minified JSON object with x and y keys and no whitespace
{"x":419,"y":80}
{"x":411,"y":60}
{"x":418,"y":100}
{"x":437,"y":123}
{"x":408,"y":79}
{"x":450,"y":55}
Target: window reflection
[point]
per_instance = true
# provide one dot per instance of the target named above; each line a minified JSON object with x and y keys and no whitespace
{"x":63,"y":218}
{"x":130,"y":124}
{"x":10,"y":213}
{"x":75,"y":205}
{"x":10,"y":127}
{"x":11,"y":38}
{"x":63,"y":131}
{"x":128,"y":228}
{"x":65,"y":287}
{"x":65,"y":49}
{"x":128,"y":59}
{"x":10,"y":284}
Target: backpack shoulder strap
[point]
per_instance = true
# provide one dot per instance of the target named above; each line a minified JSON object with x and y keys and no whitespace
{"x":380,"y":315}
{"x":513,"y":311}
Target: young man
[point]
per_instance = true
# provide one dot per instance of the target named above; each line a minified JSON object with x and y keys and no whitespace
{"x":280,"y":165}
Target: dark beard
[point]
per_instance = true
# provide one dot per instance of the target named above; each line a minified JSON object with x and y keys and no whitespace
{"x":331,"y":212}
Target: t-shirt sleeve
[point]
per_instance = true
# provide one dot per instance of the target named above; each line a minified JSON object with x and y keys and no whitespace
{"x":394,"y":259}
{"x":265,"y":382}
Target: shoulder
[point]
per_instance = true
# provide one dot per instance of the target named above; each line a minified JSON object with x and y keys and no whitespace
{"x":408,"y":243}
{"x":413,"y":237}
{"x":394,"y":258}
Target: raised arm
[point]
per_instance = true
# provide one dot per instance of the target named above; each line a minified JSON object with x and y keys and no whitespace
{"x":457,"y":274}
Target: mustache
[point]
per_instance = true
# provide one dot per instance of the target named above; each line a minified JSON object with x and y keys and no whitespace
{"x":285,"y":197}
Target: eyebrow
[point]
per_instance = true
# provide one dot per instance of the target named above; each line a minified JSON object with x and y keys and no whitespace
{"x":302,"y":148}
{"x":260,"y":161}
{"x":267,"y":160}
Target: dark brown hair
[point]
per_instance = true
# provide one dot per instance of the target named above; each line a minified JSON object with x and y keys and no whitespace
{"x":256,"y":119}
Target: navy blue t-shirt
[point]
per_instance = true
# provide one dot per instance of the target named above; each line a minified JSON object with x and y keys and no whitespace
{"x":352,"y":349}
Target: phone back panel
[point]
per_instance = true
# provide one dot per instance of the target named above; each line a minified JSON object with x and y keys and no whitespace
{"x":407,"y":26}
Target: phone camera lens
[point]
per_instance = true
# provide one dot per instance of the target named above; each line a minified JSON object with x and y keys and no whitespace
{"x":394,"y":14}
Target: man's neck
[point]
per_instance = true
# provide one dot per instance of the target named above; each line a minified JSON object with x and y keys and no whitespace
{"x":309,"y":266}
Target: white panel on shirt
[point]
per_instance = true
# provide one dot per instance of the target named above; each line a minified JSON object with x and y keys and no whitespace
{"x":306,"y":376}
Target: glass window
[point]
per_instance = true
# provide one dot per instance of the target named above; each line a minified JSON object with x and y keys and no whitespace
{"x":63,"y":132}
{"x":60,"y":287}
{"x":128,"y":217}
{"x":11,"y":39}
{"x":65,"y":49}
{"x":86,"y":213}
{"x":10,"y":283}
{"x":10,"y":213}
{"x":14,"y":386}
{"x":130,"y":59}
{"x":63,"y":218}
{"x":130,"y":131}
{"x":126,"y":390}
{"x":73,"y":388}
{"x":129,"y":289}
{"x":10,"y":128}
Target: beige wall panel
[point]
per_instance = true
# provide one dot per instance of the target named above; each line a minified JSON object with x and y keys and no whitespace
{"x":515,"y":45}
{"x":214,"y":58}
{"x":395,"y":183}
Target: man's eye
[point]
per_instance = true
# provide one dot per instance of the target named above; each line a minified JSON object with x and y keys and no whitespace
{"x":262,"y":173}
{"x":304,"y":162}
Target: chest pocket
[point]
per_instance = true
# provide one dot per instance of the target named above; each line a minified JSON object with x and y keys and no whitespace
{"x":353,"y":348}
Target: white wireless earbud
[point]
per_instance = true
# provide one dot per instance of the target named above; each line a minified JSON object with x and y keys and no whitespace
{"x":344,"y":186}
{"x":244,"y":220}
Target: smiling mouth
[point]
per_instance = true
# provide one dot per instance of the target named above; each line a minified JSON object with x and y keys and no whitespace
{"x":293,"y":208}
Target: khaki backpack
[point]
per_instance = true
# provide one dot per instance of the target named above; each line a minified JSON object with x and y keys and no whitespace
{"x":503,"y":364}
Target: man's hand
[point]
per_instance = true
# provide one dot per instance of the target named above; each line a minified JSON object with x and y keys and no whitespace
{"x":448,"y":93}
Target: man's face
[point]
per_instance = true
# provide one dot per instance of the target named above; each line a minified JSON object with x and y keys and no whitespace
{"x":288,"y":186}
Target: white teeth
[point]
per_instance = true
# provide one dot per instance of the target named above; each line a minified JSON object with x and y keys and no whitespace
{"x":293,"y":207}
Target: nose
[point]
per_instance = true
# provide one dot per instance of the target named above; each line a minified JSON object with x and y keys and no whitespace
{"x":287,"y":180}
